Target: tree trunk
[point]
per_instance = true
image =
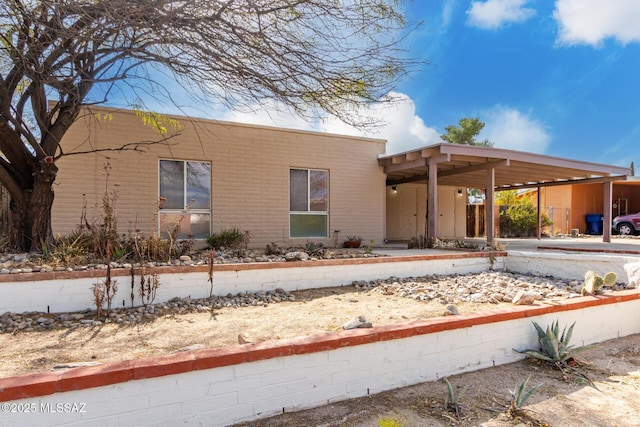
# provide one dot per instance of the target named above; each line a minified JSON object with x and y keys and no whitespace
{"x":30,"y":220}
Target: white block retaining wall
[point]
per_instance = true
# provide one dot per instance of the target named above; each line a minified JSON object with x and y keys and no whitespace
{"x":568,"y":265}
{"x":71,"y":291}
{"x":215,"y":387}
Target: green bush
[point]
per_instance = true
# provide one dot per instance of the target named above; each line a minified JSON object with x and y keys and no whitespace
{"x":231,"y":238}
{"x":521,"y":219}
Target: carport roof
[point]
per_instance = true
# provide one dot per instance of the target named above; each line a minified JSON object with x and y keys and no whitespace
{"x":466,"y":166}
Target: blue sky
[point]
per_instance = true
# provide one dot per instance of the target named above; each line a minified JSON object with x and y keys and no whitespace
{"x":552,"y":77}
{"x":559,"y":78}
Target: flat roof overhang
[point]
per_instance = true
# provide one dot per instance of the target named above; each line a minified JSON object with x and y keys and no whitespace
{"x":467,"y":166}
{"x":494,"y":169}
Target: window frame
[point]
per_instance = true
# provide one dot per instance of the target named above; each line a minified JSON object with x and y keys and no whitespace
{"x":185,"y":210}
{"x":309,"y":211}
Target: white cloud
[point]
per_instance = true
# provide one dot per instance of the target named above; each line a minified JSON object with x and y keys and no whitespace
{"x":592,"y":21}
{"x":493,"y":14}
{"x":511,"y":129}
{"x":401,"y":127}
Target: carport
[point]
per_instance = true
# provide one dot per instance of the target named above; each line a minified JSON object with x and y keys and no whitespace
{"x":494,"y":169}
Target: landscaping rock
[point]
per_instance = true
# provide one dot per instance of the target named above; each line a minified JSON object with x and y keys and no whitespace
{"x":296,"y":256}
{"x":358,"y":322}
{"x":70,"y":365}
{"x":451,"y":310}
{"x":633,"y":274}
{"x":523,"y":298}
{"x":487,"y":287}
{"x":191,"y":348}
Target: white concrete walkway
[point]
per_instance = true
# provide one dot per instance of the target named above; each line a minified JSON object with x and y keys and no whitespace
{"x":629,"y":245}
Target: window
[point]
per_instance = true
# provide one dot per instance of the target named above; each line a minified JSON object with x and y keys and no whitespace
{"x":308,"y":203}
{"x":185,"y":199}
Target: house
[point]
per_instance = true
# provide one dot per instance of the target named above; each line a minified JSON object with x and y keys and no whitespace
{"x":282,"y":185}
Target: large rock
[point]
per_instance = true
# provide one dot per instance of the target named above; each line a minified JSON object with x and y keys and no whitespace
{"x":358,"y":322}
{"x":523,"y":298}
{"x":633,"y":274}
{"x":296,"y":256}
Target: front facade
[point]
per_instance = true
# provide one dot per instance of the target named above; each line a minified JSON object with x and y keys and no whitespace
{"x":283,"y":186}
{"x":292,"y":187}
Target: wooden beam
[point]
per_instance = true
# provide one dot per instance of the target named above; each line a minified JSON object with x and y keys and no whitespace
{"x":567,"y":182}
{"x":406,"y":180}
{"x":413,"y":155}
{"x":440,"y":158}
{"x":474,"y":168}
{"x":399,"y":167}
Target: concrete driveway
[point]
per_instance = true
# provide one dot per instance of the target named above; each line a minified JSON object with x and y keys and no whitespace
{"x":587,"y":243}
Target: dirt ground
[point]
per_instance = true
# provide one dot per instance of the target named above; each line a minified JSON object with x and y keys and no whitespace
{"x":561,"y":400}
{"x":313,"y":311}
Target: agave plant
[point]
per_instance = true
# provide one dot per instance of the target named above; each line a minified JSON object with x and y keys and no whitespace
{"x":452,"y":401}
{"x":554,"y":347}
{"x":519,"y":396}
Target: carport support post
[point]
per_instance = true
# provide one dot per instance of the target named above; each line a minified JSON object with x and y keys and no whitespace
{"x":432,"y":202}
{"x":539,"y":233}
{"x":488,"y":200}
{"x":608,"y":202}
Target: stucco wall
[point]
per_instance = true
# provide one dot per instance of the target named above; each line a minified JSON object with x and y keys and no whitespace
{"x":585,"y":199}
{"x":556,"y":202}
{"x":250,"y":175}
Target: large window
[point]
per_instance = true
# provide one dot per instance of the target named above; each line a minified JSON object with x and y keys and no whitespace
{"x":308,"y":203}
{"x":185,"y":199}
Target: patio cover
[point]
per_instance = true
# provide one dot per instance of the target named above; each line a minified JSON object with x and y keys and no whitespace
{"x":494,"y":169}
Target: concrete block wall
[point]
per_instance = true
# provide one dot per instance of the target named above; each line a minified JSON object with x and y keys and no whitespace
{"x":57,"y":292}
{"x":249,"y":176}
{"x":219,"y":387}
{"x":569,"y":265}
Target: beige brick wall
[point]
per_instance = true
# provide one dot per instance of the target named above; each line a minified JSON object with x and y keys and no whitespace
{"x":250,"y":175}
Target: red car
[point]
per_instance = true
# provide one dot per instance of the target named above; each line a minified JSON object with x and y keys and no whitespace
{"x":626,"y":225}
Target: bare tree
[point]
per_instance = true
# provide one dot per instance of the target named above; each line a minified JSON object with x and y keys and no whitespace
{"x":58,"y":56}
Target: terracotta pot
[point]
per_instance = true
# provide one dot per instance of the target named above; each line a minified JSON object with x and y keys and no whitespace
{"x":352,"y":243}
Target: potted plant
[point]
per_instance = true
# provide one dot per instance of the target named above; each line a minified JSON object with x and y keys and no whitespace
{"x":353,"y":242}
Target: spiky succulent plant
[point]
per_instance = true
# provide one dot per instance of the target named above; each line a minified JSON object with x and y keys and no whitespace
{"x":554,"y":347}
{"x":520,"y":395}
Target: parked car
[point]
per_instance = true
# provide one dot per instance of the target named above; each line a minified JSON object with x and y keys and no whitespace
{"x":626,"y":225}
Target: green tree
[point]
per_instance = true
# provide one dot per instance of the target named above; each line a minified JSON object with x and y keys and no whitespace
{"x":465,"y":133}
{"x":57,"y":57}
{"x":506,"y":197}
{"x":518,"y":215}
